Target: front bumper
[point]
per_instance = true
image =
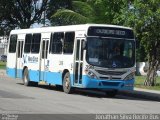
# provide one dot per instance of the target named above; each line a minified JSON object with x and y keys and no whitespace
{"x":88,"y":82}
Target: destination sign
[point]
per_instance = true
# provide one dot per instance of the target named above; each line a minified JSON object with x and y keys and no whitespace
{"x":110,"y":32}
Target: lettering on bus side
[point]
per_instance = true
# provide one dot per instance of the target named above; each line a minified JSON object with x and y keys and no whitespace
{"x":28,"y":59}
{"x":32,"y":59}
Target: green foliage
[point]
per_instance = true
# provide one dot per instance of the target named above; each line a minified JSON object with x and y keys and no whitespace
{"x":83,"y":8}
{"x":55,"y":5}
{"x":2,"y":65}
{"x":147,"y":28}
{"x":66,"y":17}
{"x":21,"y":13}
{"x":80,"y":13}
{"x":106,"y":10}
{"x":90,"y":11}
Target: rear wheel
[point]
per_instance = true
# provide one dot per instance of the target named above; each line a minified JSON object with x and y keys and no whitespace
{"x":26,"y":80}
{"x":67,"y":84}
{"x":111,"y":93}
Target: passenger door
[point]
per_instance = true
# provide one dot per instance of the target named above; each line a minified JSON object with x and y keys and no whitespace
{"x":44,"y":64}
{"x":78,"y":62}
{"x":19,"y":60}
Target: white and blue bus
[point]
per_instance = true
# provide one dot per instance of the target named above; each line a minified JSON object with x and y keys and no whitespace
{"x":93,"y":56}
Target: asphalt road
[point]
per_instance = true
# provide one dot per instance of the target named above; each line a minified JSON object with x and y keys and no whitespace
{"x":16,"y":98}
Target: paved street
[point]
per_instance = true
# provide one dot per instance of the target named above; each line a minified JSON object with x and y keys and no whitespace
{"x":16,"y":98}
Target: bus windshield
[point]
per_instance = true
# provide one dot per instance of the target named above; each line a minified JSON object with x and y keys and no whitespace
{"x":110,"y":53}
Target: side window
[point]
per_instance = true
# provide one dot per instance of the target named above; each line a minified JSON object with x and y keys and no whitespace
{"x":28,"y":41}
{"x":68,"y":42}
{"x":13,"y":44}
{"x":36,"y":43}
{"x":56,"y":42}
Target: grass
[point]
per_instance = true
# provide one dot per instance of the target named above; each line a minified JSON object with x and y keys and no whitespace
{"x":2,"y":65}
{"x":140,"y":81}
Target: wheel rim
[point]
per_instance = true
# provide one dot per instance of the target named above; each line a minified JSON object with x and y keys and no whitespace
{"x":25,"y":78}
{"x":67,"y":83}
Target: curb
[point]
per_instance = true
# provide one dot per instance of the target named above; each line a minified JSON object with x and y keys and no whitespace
{"x":142,"y":93}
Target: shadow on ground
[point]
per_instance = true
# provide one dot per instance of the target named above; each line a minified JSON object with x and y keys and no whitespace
{"x":100,"y":94}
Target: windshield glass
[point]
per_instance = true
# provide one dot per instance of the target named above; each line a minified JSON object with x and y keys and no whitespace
{"x":110,"y":53}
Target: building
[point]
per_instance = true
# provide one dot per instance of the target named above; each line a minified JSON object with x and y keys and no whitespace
{"x":3,"y":45}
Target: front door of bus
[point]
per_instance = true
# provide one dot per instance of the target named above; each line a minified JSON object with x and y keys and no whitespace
{"x":44,"y":62}
{"x":19,"y":65}
{"x":78,"y":64}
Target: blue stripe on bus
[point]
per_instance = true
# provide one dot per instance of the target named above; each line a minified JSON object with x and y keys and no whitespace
{"x":11,"y":72}
{"x":87,"y":82}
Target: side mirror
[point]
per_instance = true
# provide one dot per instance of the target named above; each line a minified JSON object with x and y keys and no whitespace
{"x":84,"y":45}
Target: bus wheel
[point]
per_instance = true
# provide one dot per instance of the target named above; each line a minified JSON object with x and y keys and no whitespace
{"x":26,"y":80}
{"x":67,"y":84}
{"x":112,"y":93}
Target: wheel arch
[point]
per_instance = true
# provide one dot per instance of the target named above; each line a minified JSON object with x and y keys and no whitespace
{"x":64,"y":72}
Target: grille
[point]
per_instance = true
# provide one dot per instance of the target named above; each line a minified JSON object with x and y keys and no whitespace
{"x":110,"y":83}
{"x":110,"y":72}
{"x":107,"y":78}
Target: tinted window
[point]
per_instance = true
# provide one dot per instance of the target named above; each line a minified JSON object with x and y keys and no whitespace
{"x":110,"y":53}
{"x":20,"y":48}
{"x":68,"y":42}
{"x":36,"y":43}
{"x":56,"y":42}
{"x":13,"y":44}
{"x":28,"y":41}
{"x":44,"y":49}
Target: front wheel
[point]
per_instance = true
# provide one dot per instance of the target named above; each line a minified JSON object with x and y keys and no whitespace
{"x":67,"y":84}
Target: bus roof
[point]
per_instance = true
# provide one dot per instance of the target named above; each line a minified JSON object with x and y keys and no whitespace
{"x":81,"y":27}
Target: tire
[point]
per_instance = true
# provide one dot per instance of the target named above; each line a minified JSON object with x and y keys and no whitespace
{"x":67,"y":84}
{"x":26,"y":80}
{"x":111,"y":93}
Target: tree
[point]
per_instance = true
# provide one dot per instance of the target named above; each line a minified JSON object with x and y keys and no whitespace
{"x":149,"y":17}
{"x":21,"y":13}
{"x":55,"y":5}
{"x":144,"y":17}
{"x":87,"y":11}
{"x":74,"y":12}
{"x":106,"y":11}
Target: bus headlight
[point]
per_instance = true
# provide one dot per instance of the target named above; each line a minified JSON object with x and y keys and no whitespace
{"x":129,"y":77}
{"x":91,"y":74}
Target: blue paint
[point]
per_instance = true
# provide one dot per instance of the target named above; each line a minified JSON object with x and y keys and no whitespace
{"x":54,"y":78}
{"x":34,"y":75}
{"x":87,"y":82}
{"x":11,"y":72}
{"x":19,"y":73}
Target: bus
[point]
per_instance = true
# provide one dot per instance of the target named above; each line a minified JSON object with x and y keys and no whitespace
{"x":90,"y":56}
